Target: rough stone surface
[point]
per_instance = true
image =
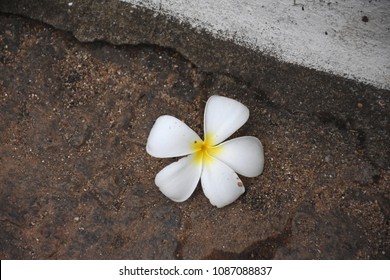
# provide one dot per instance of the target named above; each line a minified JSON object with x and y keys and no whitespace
{"x":120,"y":23}
{"x":76,"y":182}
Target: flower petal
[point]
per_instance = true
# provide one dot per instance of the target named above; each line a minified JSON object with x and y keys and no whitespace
{"x":170,"y":137}
{"x":222,"y":117}
{"x":244,"y":154}
{"x":179,"y":179}
{"x":220,"y":183}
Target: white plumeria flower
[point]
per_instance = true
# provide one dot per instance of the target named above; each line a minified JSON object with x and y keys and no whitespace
{"x":213,"y":162}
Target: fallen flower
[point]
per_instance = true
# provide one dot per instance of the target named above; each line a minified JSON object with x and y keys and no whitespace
{"x":211,"y":160}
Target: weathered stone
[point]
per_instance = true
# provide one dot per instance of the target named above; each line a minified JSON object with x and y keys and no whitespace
{"x":77,"y":183}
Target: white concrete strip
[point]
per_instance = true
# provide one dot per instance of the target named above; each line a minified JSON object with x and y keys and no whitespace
{"x":350,"y":38}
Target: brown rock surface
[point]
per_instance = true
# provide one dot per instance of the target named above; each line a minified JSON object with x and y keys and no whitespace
{"x":76,"y":182}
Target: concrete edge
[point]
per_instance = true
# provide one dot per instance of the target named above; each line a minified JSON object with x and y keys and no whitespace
{"x":122,"y":23}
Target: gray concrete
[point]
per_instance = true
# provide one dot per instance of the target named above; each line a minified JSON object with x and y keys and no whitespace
{"x":346,"y":38}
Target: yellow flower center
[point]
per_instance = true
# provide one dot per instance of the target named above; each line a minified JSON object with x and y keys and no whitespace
{"x":205,"y":150}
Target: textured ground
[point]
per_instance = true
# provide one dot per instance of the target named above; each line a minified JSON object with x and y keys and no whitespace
{"x":76,"y":182}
